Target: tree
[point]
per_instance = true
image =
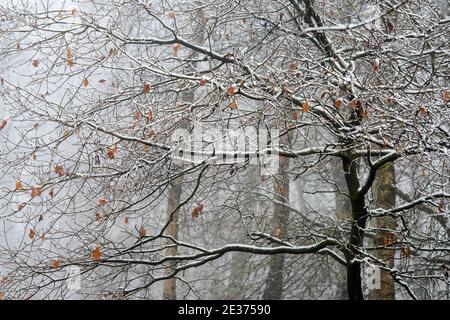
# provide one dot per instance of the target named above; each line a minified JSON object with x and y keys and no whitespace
{"x":125,"y":140}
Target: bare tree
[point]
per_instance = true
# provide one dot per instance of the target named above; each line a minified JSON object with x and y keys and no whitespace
{"x":94,"y":177}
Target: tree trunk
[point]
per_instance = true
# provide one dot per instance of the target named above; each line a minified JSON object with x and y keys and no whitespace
{"x":385,"y":198}
{"x":170,"y":285}
{"x":240,"y":267}
{"x":175,"y":191}
{"x":274,"y":281}
{"x":359,"y":218}
{"x":343,"y":212}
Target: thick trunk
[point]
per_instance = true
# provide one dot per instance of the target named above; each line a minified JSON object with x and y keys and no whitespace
{"x":274,"y":281}
{"x":238,"y":275}
{"x":385,"y":198}
{"x":354,"y":281}
{"x":359,"y":218}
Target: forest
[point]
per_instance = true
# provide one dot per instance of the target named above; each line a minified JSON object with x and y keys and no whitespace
{"x":225,"y":149}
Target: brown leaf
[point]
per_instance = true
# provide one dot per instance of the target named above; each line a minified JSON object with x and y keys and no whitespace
{"x":102,"y":81}
{"x":149,"y":115}
{"x":389,"y":238}
{"x":85,"y":82}
{"x":31,"y":233}
{"x":197,"y":211}
{"x":69,"y":54}
{"x":355,"y":104}
{"x":113,"y":51}
{"x":147,"y":88}
{"x":36,"y":191}
{"x":446,"y":95}
{"x":233,"y":105}
{"x":422,"y":111}
{"x":176,"y":47}
{"x":56,"y":264}
{"x":172,"y":14}
{"x":59,"y":170}
{"x":3,"y":123}
{"x":202,"y":82}
{"x":338,"y":103}
{"x":405,"y":252}
{"x":391,"y":101}
{"x":292,"y":66}
{"x":111,"y":153}
{"x":277,"y":233}
{"x":74,"y":11}
{"x":142,"y":232}
{"x":51,"y":193}
{"x":102,"y":201}
{"x":21,"y":206}
{"x":19,"y":185}
{"x":305,"y":106}
{"x":1,"y":295}
{"x":35,"y":63}
{"x":96,"y":254}
{"x":150,"y":134}
{"x":138,"y":115}
{"x":365,"y":114}
{"x":231,"y":91}
{"x":295,"y":115}
{"x":98,"y":216}
{"x":126,"y":220}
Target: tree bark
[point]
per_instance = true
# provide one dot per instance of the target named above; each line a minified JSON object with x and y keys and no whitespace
{"x":274,"y":281}
{"x":343,"y":212}
{"x":174,"y":198}
{"x":359,"y":218}
{"x":385,"y":198}
{"x":240,"y":261}
{"x":175,"y":191}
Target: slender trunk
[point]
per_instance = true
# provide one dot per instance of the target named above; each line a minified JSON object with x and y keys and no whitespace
{"x":175,"y":191}
{"x":343,"y":212}
{"x":240,"y":261}
{"x":385,"y":198}
{"x":274,"y":281}
{"x":170,"y":285}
